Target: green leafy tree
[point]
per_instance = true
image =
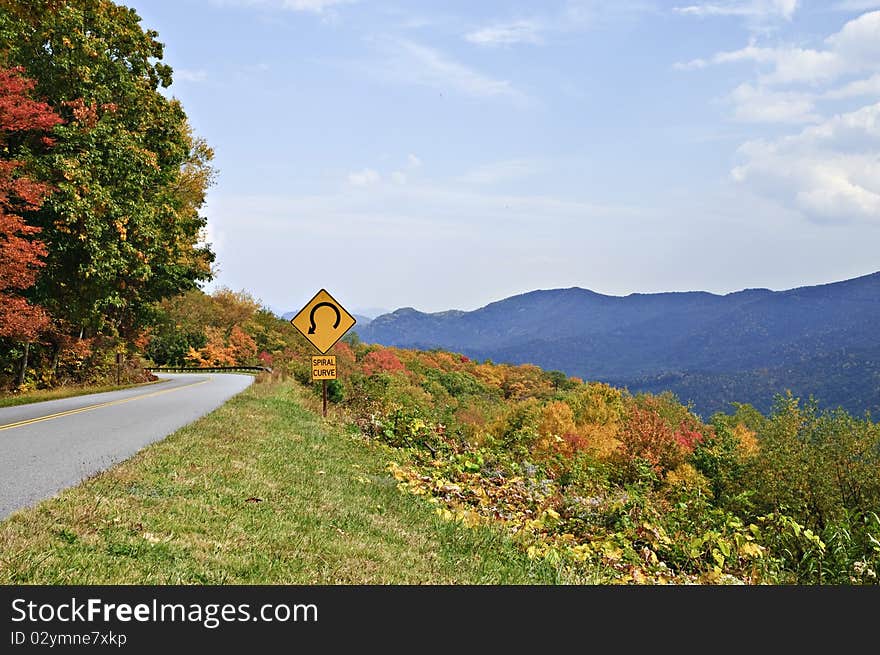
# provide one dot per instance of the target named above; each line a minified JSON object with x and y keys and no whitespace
{"x":123,"y":227}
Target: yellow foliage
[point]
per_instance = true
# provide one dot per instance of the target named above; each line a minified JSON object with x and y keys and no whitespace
{"x":602,"y":441}
{"x":557,"y":419}
{"x":748,"y":442}
{"x":596,"y":403}
{"x":489,"y":374}
{"x":686,"y":477}
{"x":524,"y":381}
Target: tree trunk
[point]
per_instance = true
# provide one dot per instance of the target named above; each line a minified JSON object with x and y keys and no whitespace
{"x":24,"y":363}
{"x":56,"y":352}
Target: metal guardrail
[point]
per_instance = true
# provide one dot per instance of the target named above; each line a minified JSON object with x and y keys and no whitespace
{"x":207,"y":369}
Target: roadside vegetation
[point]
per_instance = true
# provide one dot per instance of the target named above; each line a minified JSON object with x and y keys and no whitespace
{"x":62,"y":392}
{"x":632,"y":488}
{"x":261,"y":491}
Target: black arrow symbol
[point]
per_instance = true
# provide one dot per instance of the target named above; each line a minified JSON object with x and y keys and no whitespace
{"x":315,"y":308}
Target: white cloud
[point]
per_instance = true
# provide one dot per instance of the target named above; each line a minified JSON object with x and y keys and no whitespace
{"x":859,"y":40}
{"x":854,"y":49}
{"x":519,"y":31}
{"x":187,"y":75}
{"x":413,"y":63}
{"x":790,"y":64}
{"x":502,"y":171}
{"x":412,"y":161}
{"x":858,"y":88}
{"x":829,"y":171}
{"x":691,"y":65}
{"x":398,"y":177}
{"x":366,"y":177}
{"x":311,"y":6}
{"x":575,"y":16}
{"x":761,"y":9}
{"x":756,"y":104}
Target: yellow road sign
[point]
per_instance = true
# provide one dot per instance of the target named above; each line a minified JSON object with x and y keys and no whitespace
{"x":323,"y":367}
{"x":323,"y":321}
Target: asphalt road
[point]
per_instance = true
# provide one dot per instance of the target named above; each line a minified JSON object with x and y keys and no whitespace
{"x":49,"y":446}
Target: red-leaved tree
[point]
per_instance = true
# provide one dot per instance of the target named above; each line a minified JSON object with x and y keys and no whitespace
{"x":381,"y":361}
{"x":21,"y":119}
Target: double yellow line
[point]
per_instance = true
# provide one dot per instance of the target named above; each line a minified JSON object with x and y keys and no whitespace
{"x":89,"y":408}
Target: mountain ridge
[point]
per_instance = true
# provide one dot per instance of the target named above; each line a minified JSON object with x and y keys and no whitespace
{"x":640,"y":338}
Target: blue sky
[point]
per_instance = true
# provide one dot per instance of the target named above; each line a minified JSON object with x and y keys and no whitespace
{"x":448,"y":154}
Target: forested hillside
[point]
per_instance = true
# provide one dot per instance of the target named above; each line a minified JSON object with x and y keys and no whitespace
{"x":709,"y":349}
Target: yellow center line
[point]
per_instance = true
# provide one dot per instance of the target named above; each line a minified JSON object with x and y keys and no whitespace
{"x":89,"y":408}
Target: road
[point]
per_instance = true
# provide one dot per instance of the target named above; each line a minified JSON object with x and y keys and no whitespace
{"x":49,"y":446}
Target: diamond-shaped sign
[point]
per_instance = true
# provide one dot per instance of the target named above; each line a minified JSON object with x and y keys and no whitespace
{"x":323,"y":321}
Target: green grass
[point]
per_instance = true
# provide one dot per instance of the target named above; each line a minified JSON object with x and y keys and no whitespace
{"x":12,"y":400}
{"x":261,"y":491}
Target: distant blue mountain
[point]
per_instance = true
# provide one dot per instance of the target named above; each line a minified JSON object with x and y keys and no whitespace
{"x":709,"y":349}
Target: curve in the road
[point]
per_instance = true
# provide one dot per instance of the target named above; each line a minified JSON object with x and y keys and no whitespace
{"x":46,"y":447}
{"x":88,"y":408}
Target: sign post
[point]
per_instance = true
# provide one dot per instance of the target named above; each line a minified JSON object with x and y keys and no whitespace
{"x":323,"y":321}
{"x":323,"y":369}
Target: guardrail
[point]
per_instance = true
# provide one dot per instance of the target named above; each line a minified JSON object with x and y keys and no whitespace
{"x":207,"y":369}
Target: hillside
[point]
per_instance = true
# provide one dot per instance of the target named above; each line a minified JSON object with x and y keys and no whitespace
{"x":709,"y":349}
{"x":511,"y":474}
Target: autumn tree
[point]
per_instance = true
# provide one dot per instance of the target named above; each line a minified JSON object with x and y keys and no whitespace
{"x":215,"y":352}
{"x":23,"y":124}
{"x":123,"y":228}
{"x":381,"y":361}
{"x":243,"y":347}
{"x":646,"y":436}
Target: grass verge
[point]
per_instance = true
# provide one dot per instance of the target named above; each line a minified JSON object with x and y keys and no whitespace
{"x":62,"y":392}
{"x":260,"y":491}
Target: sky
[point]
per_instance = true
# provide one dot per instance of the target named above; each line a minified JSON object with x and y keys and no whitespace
{"x":445,"y":155}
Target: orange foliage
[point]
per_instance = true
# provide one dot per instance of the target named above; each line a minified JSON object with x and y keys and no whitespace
{"x":215,"y":352}
{"x":243,"y":347}
{"x":646,"y":435}
{"x":343,"y":351}
{"x":447,"y":361}
{"x":524,"y":381}
{"x":381,"y":361}
{"x":558,"y":431}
